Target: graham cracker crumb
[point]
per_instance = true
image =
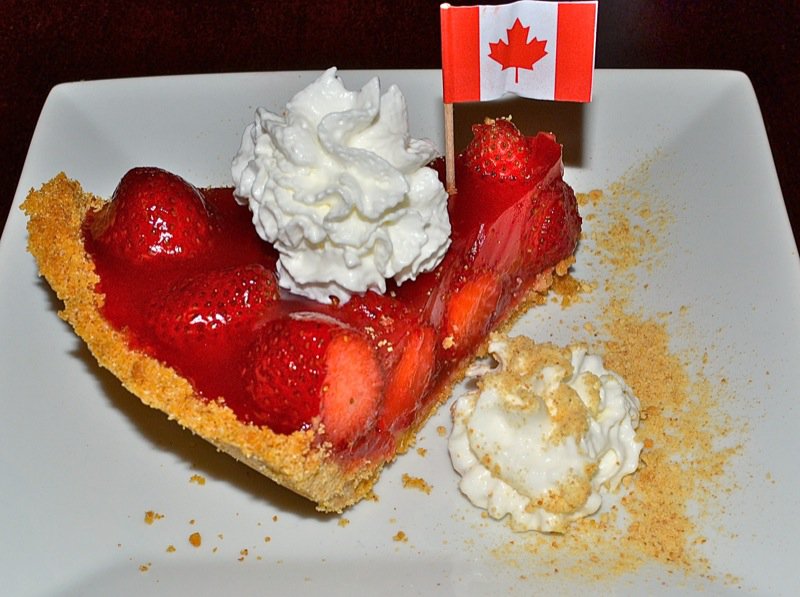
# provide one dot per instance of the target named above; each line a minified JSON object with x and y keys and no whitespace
{"x":416,"y":483}
{"x":150,"y":517}
{"x":198,"y":479}
{"x":568,"y":290}
{"x":400,"y":537}
{"x":195,"y":539}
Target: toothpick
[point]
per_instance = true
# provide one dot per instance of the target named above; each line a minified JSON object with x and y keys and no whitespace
{"x":449,"y":151}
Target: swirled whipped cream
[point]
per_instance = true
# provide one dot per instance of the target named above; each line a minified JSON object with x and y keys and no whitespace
{"x":342,"y":191}
{"x":547,"y":433}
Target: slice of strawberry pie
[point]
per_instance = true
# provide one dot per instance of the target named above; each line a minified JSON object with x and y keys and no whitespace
{"x":176,"y":294}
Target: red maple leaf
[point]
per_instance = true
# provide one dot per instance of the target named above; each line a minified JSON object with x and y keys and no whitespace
{"x":518,"y":52}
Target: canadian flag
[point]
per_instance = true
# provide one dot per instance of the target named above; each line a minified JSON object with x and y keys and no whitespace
{"x":542,"y":50}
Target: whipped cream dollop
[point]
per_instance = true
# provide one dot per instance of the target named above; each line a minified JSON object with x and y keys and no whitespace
{"x":547,"y":433}
{"x":342,"y":191}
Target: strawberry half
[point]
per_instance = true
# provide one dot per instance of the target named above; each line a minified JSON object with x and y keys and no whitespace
{"x":195,"y":312}
{"x":469,"y":310}
{"x":500,"y":150}
{"x":308,"y":369}
{"x":153,"y":214}
{"x":409,"y":379}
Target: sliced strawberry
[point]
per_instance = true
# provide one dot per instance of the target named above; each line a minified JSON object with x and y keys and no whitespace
{"x":409,"y":379}
{"x":153,"y":214}
{"x":469,"y":310}
{"x":352,"y":388}
{"x":499,"y":149}
{"x":196,"y":311}
{"x":310,"y":369}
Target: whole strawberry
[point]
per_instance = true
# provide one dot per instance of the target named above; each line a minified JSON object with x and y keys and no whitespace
{"x":309,"y":370}
{"x":152,"y":215}
{"x":556,"y":226}
{"x":383,"y":319}
{"x":498,"y":149}
{"x":196,"y":312}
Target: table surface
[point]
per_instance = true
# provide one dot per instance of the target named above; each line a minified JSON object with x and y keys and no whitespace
{"x":43,"y":43}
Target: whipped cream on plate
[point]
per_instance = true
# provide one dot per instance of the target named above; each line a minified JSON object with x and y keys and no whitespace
{"x":342,"y":191}
{"x":548,"y":432}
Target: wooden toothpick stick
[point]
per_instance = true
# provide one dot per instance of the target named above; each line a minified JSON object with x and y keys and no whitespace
{"x":449,"y":150}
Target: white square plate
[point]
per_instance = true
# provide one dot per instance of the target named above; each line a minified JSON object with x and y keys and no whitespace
{"x":82,"y":460}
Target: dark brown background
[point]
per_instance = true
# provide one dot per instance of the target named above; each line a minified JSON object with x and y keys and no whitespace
{"x":43,"y":43}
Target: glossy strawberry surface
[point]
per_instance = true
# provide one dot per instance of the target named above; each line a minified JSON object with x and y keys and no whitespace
{"x":153,"y":215}
{"x":305,"y":369}
{"x":360,"y":373}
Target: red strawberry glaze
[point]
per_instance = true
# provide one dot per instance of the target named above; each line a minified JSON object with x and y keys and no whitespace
{"x":493,"y":230}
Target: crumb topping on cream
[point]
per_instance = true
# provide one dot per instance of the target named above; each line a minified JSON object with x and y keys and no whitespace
{"x":548,"y":431}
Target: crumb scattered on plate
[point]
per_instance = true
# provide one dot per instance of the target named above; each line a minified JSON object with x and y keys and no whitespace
{"x":416,"y":483}
{"x":151,"y":516}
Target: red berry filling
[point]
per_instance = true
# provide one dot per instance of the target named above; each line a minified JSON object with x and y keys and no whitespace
{"x":185,"y":275}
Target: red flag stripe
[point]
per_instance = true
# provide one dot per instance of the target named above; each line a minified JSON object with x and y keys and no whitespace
{"x":461,"y":72}
{"x":575,"y":65}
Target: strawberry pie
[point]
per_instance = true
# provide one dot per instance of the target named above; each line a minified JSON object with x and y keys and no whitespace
{"x":176,"y":292}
